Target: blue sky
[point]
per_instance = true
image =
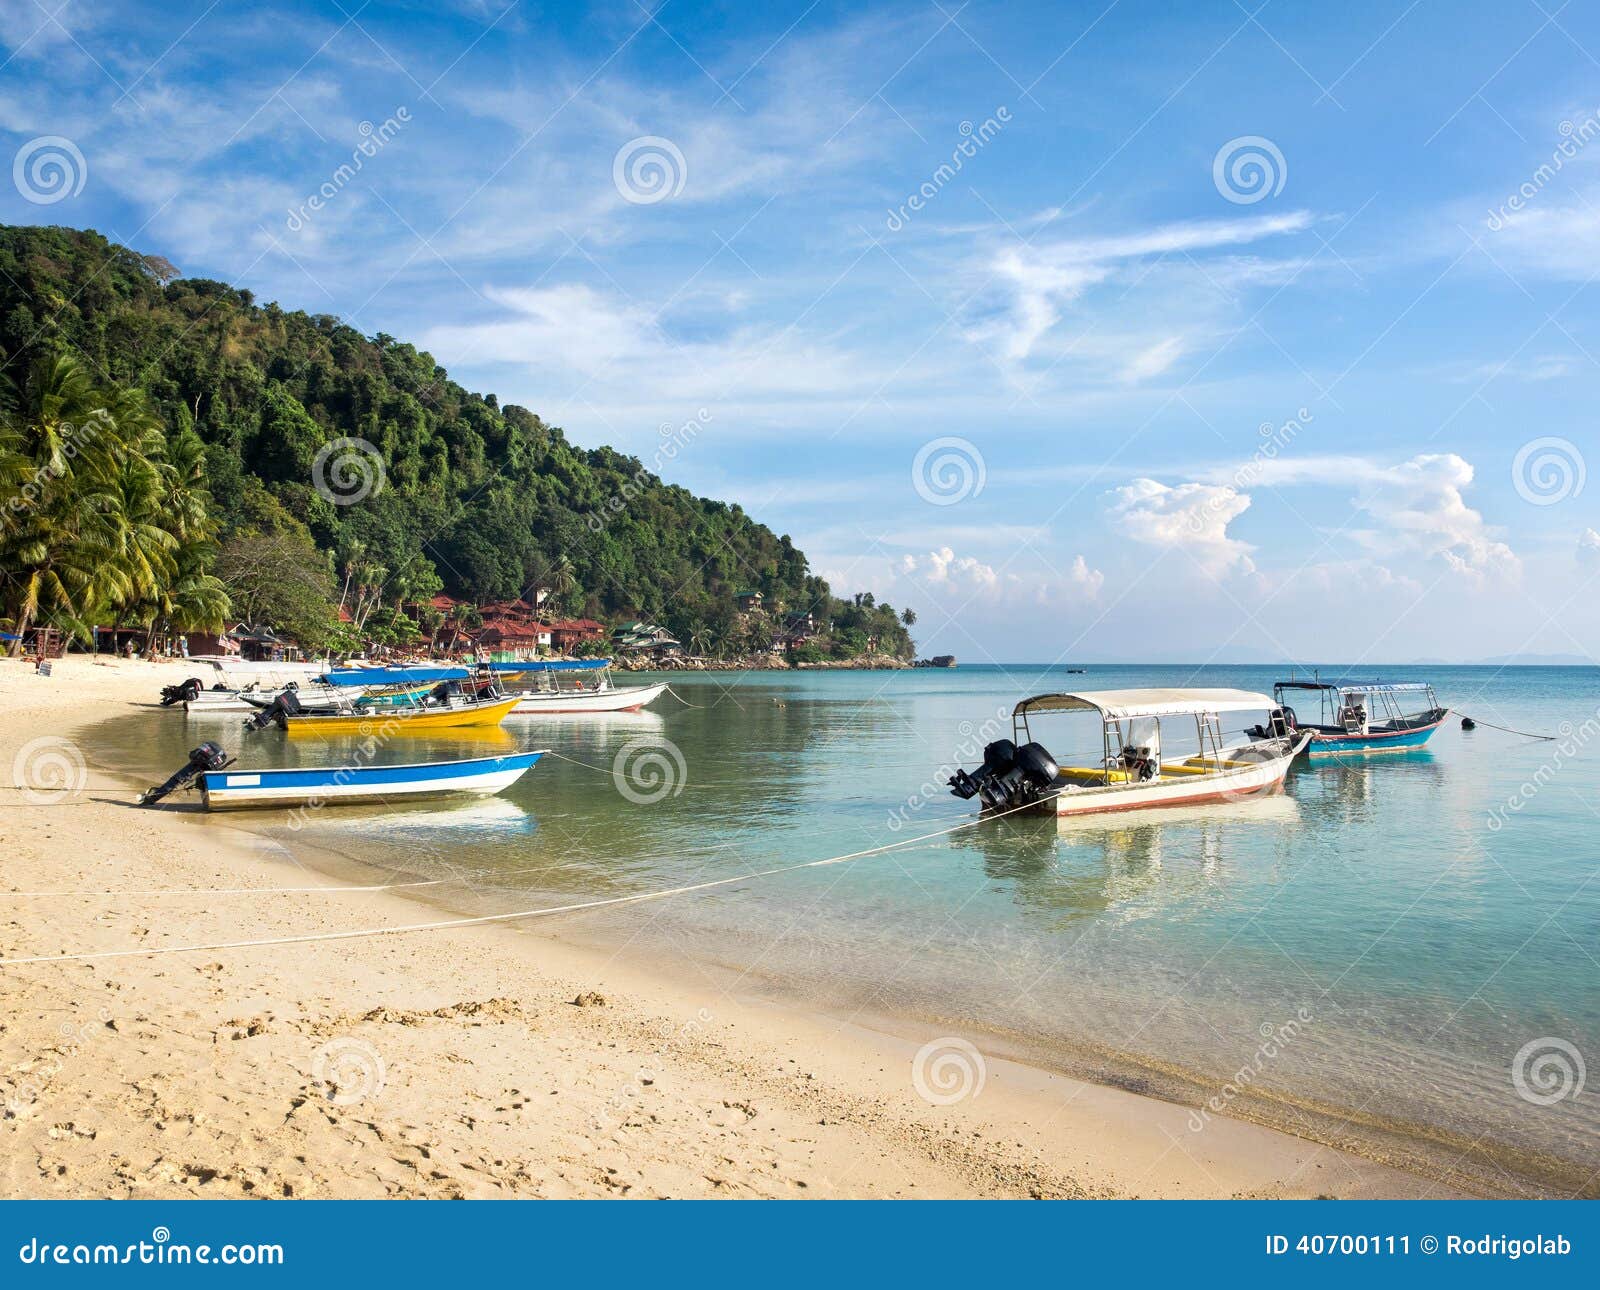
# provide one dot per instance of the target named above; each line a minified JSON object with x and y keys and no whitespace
{"x":1118,"y":330}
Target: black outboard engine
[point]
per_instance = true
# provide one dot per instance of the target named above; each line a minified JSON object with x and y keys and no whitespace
{"x":1282,"y":723}
{"x":207,"y":756}
{"x":285,"y":705}
{"x":188,"y":692}
{"x":1010,"y":776}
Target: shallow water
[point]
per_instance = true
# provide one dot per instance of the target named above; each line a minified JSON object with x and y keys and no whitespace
{"x":1377,"y":943}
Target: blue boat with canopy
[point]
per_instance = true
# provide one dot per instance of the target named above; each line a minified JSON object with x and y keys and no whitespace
{"x":1357,"y":718}
{"x":540,"y":685}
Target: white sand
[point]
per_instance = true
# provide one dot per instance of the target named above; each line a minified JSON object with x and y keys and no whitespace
{"x":254,"y":1072}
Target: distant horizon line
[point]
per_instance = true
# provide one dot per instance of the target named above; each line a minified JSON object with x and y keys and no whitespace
{"x":1234,"y":663}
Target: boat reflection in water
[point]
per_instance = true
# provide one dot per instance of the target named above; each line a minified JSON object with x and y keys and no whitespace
{"x":1076,"y":868}
{"x":1338,"y":792}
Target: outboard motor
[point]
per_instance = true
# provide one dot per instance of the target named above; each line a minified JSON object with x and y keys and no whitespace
{"x":1010,"y":776}
{"x":188,"y":692}
{"x":285,"y":705}
{"x":207,"y":756}
{"x":1282,"y":723}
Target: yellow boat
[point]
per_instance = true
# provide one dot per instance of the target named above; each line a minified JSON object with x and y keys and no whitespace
{"x":387,"y":721}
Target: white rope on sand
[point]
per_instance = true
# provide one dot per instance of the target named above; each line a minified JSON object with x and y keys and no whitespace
{"x":308,"y":938}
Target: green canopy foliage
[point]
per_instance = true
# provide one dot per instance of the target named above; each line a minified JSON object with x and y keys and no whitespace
{"x":487,"y":502}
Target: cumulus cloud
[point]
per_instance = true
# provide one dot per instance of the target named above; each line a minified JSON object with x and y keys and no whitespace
{"x":1589,"y":548}
{"x":1420,"y":507}
{"x":1192,"y":516}
{"x":942,"y":571}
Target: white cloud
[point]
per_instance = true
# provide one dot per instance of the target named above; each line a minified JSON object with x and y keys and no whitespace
{"x":1419,"y":507}
{"x":1153,"y":360}
{"x":1589,"y":548}
{"x":1039,"y":280}
{"x":1082,"y":578}
{"x":591,"y":346}
{"x":944,"y":568}
{"x":1192,"y":516}
{"x":945,"y":575}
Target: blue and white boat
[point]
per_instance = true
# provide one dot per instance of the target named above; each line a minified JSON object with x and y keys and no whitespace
{"x":540,"y":686}
{"x":1358,"y":718}
{"x":223,"y":788}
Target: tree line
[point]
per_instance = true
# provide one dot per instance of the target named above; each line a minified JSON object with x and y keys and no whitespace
{"x":212,"y":410}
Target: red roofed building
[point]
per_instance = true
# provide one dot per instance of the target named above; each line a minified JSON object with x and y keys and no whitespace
{"x":512,"y":634}
{"x":569,"y":634}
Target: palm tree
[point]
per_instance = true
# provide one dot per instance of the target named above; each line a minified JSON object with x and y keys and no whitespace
{"x":354,"y":555}
{"x":59,"y":481}
{"x":563,"y":578}
{"x":909,"y":617}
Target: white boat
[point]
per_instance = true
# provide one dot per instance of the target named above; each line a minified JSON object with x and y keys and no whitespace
{"x":222,"y":788}
{"x":1137,"y":768}
{"x":571,"y":685}
{"x":232,"y":678}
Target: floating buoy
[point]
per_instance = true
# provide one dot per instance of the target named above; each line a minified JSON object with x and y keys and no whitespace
{"x":1467,"y":723}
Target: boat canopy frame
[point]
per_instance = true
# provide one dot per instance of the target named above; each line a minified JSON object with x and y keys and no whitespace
{"x":1339,"y":699}
{"x":1119,"y":708}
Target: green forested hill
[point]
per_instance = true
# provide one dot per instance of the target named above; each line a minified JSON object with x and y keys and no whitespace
{"x":489,"y":499}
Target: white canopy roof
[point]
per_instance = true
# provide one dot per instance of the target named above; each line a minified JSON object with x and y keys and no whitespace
{"x":1121,"y":704}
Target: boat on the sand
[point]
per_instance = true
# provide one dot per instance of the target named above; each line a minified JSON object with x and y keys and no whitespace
{"x":222,"y":788}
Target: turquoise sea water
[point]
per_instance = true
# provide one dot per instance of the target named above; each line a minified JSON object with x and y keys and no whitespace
{"x":1394,"y":939}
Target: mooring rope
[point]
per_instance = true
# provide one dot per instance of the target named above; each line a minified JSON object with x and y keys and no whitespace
{"x":1526,"y":734}
{"x":308,"y":938}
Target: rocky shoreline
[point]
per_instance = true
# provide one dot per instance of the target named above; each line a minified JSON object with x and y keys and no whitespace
{"x":767,"y":662}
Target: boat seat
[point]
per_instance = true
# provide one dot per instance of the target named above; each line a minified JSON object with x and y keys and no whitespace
{"x":1091,"y":775}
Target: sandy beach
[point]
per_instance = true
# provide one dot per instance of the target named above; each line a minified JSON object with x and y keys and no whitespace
{"x":486,"y":1061}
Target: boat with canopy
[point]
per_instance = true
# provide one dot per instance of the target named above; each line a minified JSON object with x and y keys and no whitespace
{"x":1157,"y":747}
{"x":575,"y":685}
{"x":1355,"y":718}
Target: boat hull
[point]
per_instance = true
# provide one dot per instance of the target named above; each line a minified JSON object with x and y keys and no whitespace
{"x":1332,"y":743}
{"x":398,"y":720}
{"x":628,"y":698}
{"x":1255,"y":779}
{"x":226,"y":790}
